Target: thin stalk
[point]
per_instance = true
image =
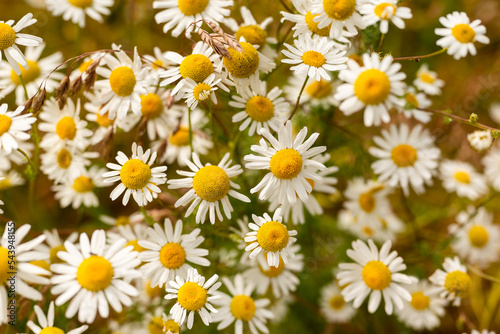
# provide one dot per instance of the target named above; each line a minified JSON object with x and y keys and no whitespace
{"x":298,"y":98}
{"x":417,"y":58}
{"x":461,"y":119}
{"x":380,"y":43}
{"x":24,"y":86}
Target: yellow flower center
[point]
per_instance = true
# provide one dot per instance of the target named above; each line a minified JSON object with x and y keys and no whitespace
{"x":29,"y":75}
{"x":7,"y":36}
{"x":313,"y":58}
{"x":180,"y":137}
{"x":211,"y":183}
{"x":462,"y":177}
{"x":463,"y":33}
{"x":172,"y":255}
{"x":313,"y":26}
{"x":367,"y":201}
{"x":376,"y":275}
{"x":155,"y":326}
{"x":372,"y":87}
{"x":242,"y":64}
{"x":64,"y":158}
{"x":319,"y":89}
{"x":243,"y":307}
{"x":153,"y":292}
{"x":66,"y":128}
{"x":192,"y":296}
{"x":84,"y":65}
{"x":135,"y":174}
{"x":478,"y":236}
{"x":42,"y":264}
{"x":95,"y":273}
{"x":273,"y":236}
{"x":122,"y":221}
{"x":197,"y":67}
{"x":122,"y":81}
{"x":5,"y":123}
{"x":253,"y":34}
{"x":286,"y":164}
{"x":419,"y":301}
{"x":157,"y":64}
{"x":260,"y":108}
{"x":337,"y":302}
{"x":411,"y":100}
{"x":51,"y":330}
{"x":5,"y":183}
{"x":339,"y":10}
{"x":152,"y":105}
{"x":172,"y":326}
{"x":192,"y":7}
{"x":5,"y":267}
{"x":273,"y":271}
{"x":135,"y":244}
{"x":385,"y":10}
{"x":83,"y":184}
{"x":202,"y":91}
{"x":458,"y":282}
{"x":426,"y":78}
{"x":368,"y":231}
{"x":53,"y":254}
{"x":81,"y":3}
{"x":103,"y":120}
{"x":404,"y":155}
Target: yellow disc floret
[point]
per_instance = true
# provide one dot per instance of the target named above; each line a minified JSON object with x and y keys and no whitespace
{"x":211,"y":183}
{"x":404,"y":155}
{"x":372,"y":87}
{"x":253,"y":34}
{"x":51,"y":330}
{"x":103,"y":120}
{"x":273,"y":271}
{"x":192,"y":296}
{"x":53,"y":254}
{"x":180,"y":137}
{"x":462,"y":177}
{"x":319,"y":89}
{"x":192,"y":7}
{"x":286,"y":164}
{"x":81,"y":3}
{"x":135,"y":244}
{"x":172,"y":255}
{"x":83,"y":184}
{"x":7,"y":36}
{"x":385,"y":10}
{"x":84,"y":65}
{"x":155,"y":326}
{"x":339,"y":10}
{"x":122,"y":81}
{"x":5,"y":123}
{"x":202,"y":91}
{"x":260,"y":108}
{"x":313,"y":58}
{"x":172,"y":326}
{"x":122,"y":221}
{"x":419,"y":301}
{"x":411,"y":100}
{"x":463,"y":33}
{"x":313,"y":26}
{"x":337,"y":302}
{"x":367,"y":201}
{"x":135,"y":174}
{"x":64,"y":158}
{"x":242,"y":64}
{"x":478,"y":236}
{"x":376,"y":275}
{"x":151,"y":105}
{"x":426,"y":78}
{"x":66,"y":128}
{"x":197,"y":67}
{"x":95,"y":273}
{"x":29,"y":75}
{"x":243,"y":307}
{"x":458,"y":282}
{"x":5,"y":267}
{"x":152,"y":292}
{"x":273,"y":236}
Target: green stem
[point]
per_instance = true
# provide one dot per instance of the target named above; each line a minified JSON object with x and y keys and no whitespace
{"x":212,"y":124}
{"x":380,"y":43}
{"x":24,"y":86}
{"x":298,"y":98}
{"x":190,"y":131}
{"x":417,"y":58}
{"x":147,"y":217}
{"x":461,"y":119}
{"x":27,"y":157}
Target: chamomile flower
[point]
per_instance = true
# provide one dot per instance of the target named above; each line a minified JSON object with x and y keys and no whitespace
{"x":160,"y":112}
{"x":413,"y":101}
{"x":195,"y":93}
{"x":136,"y":176}
{"x":169,"y":253}
{"x":62,"y":164}
{"x":76,"y":10}
{"x":406,"y":157}
{"x":380,"y":228}
{"x":384,"y":11}
{"x":131,"y":233}
{"x":157,"y":62}
{"x":480,"y":140}
{"x":290,"y":161}
{"x":424,"y":310}
{"x":261,"y":109}
{"x":47,"y":322}
{"x":54,"y":244}
{"x":14,"y":128}
{"x":314,"y":56}
{"x":193,"y":295}
{"x":94,"y":277}
{"x":377,"y":273}
{"x":459,"y":34}
{"x":271,"y":236}
{"x":209,"y":185}
{"x":494,"y":112}
{"x":428,"y":81}
{"x":123,"y":220}
{"x":374,"y":87}
{"x":491,"y":163}
{"x":462,"y":178}
{"x":453,"y":283}
{"x":304,"y":23}
{"x":239,"y":307}
{"x":181,"y":14}
{"x":38,"y":72}
{"x":338,"y":15}
{"x":333,"y":306}
{"x":170,"y":326}
{"x":315,"y":93}
{"x":10,"y":37}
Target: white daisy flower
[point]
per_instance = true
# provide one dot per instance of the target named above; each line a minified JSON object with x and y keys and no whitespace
{"x":424,"y":310}
{"x":14,"y":128}
{"x":494,"y":112}
{"x":123,"y":220}
{"x":168,"y":251}
{"x":270,"y":236}
{"x":316,"y":92}
{"x":75,"y":10}
{"x":384,"y":11}
{"x":37,"y":74}
{"x":136,"y":176}
{"x":198,"y":92}
{"x":380,"y":228}
{"x":406,"y":157}
{"x":454,"y":283}
{"x":414,"y":101}
{"x":193,"y":294}
{"x":315,"y":56}
{"x":47,"y":323}
{"x":333,"y":306}
{"x":462,"y":178}
{"x":81,"y":71}
{"x":290,"y":161}
{"x":10,"y":36}
{"x":26,"y":272}
{"x":477,"y":239}
{"x":480,"y":140}
{"x":261,"y":109}
{"x":209,"y":185}
{"x":239,"y":307}
{"x":338,"y":15}
{"x":132,"y":233}
{"x":157,"y":62}
{"x":95,"y":276}
{"x":374,"y":87}
{"x":459,"y":34}
{"x":62,"y":164}
{"x":377,"y":273}
{"x":427,"y":81}
{"x":54,"y":244}
{"x":491,"y":163}
{"x":160,"y":113}
{"x":182,"y":14}
{"x":169,"y":325}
